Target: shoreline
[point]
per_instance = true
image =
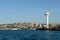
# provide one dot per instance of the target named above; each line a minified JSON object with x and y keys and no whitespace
{"x":28,"y":29}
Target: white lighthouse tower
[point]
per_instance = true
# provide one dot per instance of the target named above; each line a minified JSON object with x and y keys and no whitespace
{"x":47,"y":18}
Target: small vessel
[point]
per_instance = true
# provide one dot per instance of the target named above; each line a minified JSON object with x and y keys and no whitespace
{"x":14,"y":29}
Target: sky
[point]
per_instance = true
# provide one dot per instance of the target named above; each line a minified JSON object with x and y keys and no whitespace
{"x":29,"y":11}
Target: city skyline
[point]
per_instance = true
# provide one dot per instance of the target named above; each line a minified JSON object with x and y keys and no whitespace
{"x":29,"y":11}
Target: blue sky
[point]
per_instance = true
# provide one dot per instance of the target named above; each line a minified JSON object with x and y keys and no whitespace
{"x":29,"y":11}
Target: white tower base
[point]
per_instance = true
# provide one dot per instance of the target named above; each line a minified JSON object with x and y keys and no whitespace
{"x":47,"y":22}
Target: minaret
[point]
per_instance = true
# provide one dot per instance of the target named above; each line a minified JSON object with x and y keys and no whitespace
{"x":47,"y":20}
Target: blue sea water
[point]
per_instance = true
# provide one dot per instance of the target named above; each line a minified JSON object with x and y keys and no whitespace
{"x":29,"y":35}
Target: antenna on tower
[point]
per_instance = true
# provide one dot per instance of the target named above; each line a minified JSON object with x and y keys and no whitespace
{"x":47,"y":11}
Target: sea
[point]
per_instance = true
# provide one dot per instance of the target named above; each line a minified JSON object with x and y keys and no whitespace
{"x":29,"y":35}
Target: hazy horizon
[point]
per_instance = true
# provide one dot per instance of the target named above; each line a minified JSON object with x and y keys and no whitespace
{"x":12,"y":11}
